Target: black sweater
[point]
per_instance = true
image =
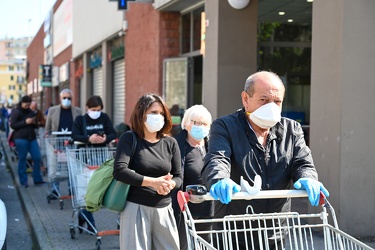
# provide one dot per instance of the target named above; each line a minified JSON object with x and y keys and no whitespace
{"x":150,"y":159}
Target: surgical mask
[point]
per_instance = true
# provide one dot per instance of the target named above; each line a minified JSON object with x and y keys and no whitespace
{"x":66,"y":102}
{"x":267,"y":115}
{"x":94,"y":114}
{"x":154,"y":122}
{"x":199,"y":132}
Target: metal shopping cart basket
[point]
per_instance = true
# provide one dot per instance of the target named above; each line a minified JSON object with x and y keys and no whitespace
{"x":57,"y":167}
{"x":42,"y":147}
{"x":82,"y":163}
{"x":291,"y":226}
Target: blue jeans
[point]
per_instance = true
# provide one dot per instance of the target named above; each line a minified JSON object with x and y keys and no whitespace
{"x":23,"y":147}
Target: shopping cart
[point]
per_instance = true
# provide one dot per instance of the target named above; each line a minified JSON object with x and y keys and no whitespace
{"x":82,"y":163}
{"x":42,"y":146}
{"x":291,"y":226}
{"x":40,"y":137}
{"x":57,"y":164}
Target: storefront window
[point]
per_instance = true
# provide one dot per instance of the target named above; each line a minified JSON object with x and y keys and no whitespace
{"x":289,"y":56}
{"x":191,"y":31}
{"x":284,"y":47}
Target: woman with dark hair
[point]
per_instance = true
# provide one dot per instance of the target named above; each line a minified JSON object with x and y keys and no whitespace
{"x":94,"y":129}
{"x":154,"y":171}
{"x":23,"y":123}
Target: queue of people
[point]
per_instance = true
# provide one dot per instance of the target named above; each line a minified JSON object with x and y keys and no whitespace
{"x":255,"y":140}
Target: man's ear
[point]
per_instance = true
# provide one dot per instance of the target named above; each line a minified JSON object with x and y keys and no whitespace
{"x":245,"y":99}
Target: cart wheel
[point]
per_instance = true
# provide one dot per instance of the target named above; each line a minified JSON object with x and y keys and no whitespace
{"x":118,"y":226}
{"x":61,"y":205}
{"x":72,"y":233}
{"x":98,"y":243}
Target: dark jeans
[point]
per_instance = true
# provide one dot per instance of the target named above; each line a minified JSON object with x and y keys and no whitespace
{"x":89,"y":216}
{"x":23,"y":147}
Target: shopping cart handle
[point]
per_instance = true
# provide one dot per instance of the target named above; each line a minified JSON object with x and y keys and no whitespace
{"x":61,"y":133}
{"x":198,"y":194}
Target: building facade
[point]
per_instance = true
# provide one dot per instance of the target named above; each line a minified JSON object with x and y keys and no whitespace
{"x":12,"y":69}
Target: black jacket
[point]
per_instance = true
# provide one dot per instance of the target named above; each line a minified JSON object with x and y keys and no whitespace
{"x":81,"y":132}
{"x":18,"y":124}
{"x":201,"y":210}
{"x":234,"y":151}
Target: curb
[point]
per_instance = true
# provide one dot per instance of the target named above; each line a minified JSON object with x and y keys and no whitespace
{"x":37,"y":230}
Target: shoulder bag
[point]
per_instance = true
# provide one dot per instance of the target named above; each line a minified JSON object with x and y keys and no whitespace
{"x":117,"y":192}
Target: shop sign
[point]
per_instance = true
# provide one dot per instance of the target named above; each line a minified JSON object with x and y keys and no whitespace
{"x":116,"y":52}
{"x":95,"y":60}
{"x":78,"y":73}
{"x":45,"y":75}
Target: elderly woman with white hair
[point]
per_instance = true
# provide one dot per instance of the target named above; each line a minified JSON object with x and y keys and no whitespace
{"x":193,"y":143}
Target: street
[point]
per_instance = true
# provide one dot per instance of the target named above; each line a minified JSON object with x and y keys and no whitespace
{"x":18,"y":233}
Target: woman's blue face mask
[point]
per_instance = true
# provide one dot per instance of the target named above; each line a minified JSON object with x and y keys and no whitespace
{"x":199,"y":132}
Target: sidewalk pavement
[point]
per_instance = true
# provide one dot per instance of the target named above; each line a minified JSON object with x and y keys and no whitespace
{"x":49,"y":225}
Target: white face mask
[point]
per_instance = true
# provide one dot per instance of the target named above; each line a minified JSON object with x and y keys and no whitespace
{"x":266,"y":116}
{"x":66,"y":102}
{"x":94,"y":114}
{"x":154,"y":122}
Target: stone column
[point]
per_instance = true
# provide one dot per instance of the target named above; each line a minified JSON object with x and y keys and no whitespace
{"x":342,"y":109}
{"x":231,"y":52}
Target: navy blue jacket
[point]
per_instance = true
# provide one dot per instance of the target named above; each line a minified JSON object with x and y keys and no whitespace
{"x":234,"y":151}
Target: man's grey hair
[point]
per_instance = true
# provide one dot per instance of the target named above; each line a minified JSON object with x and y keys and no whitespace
{"x":66,"y":91}
{"x":250,"y":81}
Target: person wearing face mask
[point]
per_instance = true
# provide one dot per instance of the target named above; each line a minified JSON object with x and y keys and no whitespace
{"x":92,"y":129}
{"x":256,"y":140}
{"x":23,"y":123}
{"x":154,"y":171}
{"x":95,"y":127}
{"x":60,"y":119}
{"x":193,"y":143}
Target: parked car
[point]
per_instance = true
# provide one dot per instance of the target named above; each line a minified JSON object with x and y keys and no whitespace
{"x":3,"y":225}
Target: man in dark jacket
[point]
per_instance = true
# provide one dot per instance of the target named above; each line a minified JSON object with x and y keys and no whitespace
{"x":22,"y":121}
{"x":255,"y":140}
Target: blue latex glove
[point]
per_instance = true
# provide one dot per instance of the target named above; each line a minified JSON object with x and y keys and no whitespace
{"x":313,"y":188}
{"x":224,"y":189}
